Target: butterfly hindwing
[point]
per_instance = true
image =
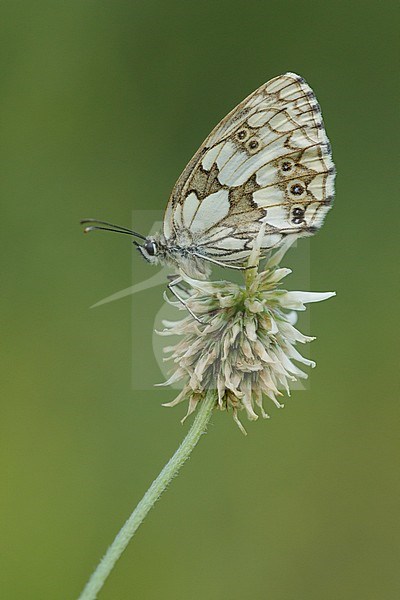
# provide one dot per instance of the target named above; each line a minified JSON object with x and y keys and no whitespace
{"x":269,"y":161}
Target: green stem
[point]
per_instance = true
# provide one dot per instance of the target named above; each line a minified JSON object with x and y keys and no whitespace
{"x":123,"y":538}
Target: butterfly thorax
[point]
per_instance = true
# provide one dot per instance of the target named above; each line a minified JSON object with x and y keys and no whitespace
{"x":179,"y":252}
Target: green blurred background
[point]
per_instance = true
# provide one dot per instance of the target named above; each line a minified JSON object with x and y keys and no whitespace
{"x":102,"y":104}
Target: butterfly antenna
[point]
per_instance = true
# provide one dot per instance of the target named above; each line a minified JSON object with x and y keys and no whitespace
{"x":96,"y":225}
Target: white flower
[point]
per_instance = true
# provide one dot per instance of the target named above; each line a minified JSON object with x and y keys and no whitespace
{"x":244,"y":346}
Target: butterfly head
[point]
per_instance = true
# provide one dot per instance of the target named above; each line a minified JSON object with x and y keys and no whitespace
{"x":150,"y":250}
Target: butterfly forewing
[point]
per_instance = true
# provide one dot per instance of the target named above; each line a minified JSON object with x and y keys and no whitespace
{"x":268,"y":160}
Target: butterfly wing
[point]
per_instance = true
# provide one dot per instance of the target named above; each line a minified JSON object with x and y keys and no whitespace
{"x":269,"y":160}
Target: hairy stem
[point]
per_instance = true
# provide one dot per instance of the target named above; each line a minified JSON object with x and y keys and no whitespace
{"x":124,"y":536}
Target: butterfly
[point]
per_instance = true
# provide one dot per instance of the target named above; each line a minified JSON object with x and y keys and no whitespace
{"x":268,"y":161}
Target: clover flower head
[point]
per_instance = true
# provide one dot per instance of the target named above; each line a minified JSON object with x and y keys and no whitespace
{"x":244,"y":345}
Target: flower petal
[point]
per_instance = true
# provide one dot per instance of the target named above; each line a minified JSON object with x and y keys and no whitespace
{"x":296,"y":300}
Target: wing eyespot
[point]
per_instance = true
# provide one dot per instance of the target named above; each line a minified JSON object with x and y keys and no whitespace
{"x":243,"y":134}
{"x":298,"y":215}
{"x":297,"y":190}
{"x":253,"y":145}
{"x":286,"y":166}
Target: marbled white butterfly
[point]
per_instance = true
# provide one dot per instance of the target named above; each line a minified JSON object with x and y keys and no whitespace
{"x":268,"y":161}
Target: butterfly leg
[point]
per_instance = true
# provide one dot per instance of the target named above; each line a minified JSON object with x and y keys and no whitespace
{"x":171,"y":279}
{"x":175,"y":283}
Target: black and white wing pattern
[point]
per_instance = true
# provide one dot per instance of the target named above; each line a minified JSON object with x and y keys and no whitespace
{"x":268,"y":161}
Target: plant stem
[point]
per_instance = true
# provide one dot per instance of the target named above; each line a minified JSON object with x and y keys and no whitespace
{"x":124,"y":536}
